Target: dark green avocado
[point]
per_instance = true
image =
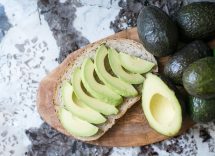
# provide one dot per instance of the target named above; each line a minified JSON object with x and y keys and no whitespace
{"x":181,"y":59}
{"x":157,"y":31}
{"x":201,"y":110}
{"x":197,"y":20}
{"x":199,"y":78}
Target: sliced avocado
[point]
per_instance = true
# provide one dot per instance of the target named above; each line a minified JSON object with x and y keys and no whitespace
{"x":99,"y":106}
{"x":175,"y":67}
{"x":77,"y":108}
{"x":161,"y":107}
{"x":117,"y":85}
{"x":199,"y":78}
{"x":116,"y":67}
{"x":74,"y":125}
{"x":135,"y":64}
{"x":96,"y":89}
{"x":201,"y":110}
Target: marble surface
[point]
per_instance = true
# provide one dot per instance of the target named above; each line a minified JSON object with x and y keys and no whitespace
{"x":34,"y":39}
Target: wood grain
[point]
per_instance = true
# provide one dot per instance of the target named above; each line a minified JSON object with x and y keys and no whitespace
{"x":130,"y":130}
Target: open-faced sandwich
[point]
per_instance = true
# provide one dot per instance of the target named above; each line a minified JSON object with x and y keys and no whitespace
{"x":100,"y":85}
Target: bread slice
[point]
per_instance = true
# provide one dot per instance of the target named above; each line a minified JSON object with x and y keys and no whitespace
{"x":123,"y":45}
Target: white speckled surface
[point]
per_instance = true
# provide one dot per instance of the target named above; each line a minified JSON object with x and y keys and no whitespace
{"x":91,"y":17}
{"x":27,"y":53}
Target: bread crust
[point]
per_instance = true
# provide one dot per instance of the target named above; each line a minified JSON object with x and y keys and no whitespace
{"x":123,"y":45}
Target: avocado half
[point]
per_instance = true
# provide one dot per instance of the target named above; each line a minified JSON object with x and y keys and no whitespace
{"x":161,"y":107}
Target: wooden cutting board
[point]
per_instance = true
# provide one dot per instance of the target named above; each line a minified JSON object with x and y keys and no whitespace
{"x":130,"y":130}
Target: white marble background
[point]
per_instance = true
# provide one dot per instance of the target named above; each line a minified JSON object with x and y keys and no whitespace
{"x":28,"y":52}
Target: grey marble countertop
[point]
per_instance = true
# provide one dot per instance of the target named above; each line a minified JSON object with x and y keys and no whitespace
{"x":34,"y":38}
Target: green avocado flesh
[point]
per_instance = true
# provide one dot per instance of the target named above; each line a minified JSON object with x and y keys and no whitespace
{"x":201,"y":110}
{"x":116,"y":67}
{"x":96,"y":89}
{"x":134,"y":64}
{"x":101,"y":107}
{"x":77,"y":108}
{"x":74,"y":125}
{"x":161,"y":107}
{"x":117,"y":85}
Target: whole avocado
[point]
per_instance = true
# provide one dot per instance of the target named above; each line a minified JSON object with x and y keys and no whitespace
{"x":157,"y":31}
{"x":181,"y":59}
{"x":201,"y":110}
{"x":199,"y":78}
{"x":197,"y":20}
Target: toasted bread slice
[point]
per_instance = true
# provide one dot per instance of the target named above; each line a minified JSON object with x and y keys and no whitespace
{"x":123,"y":45}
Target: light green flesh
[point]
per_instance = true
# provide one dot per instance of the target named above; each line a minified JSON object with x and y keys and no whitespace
{"x":77,"y":108}
{"x":134,"y":64}
{"x":74,"y":125}
{"x":99,"y":106}
{"x":96,"y":89}
{"x":115,"y":64}
{"x":117,"y":85}
{"x":160,"y":106}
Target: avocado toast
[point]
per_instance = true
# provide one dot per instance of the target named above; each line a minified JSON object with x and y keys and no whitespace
{"x":116,"y":110}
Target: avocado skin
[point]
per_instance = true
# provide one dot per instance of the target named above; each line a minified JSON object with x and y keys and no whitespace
{"x":157,"y":31}
{"x":201,"y":110}
{"x":179,"y":93}
{"x":197,"y":20}
{"x":181,"y":59}
{"x":199,"y":78}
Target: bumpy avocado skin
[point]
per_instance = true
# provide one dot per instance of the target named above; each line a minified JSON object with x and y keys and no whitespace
{"x":197,"y":20}
{"x":201,"y":110}
{"x":199,"y":78}
{"x":157,"y":31}
{"x":181,"y":59}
